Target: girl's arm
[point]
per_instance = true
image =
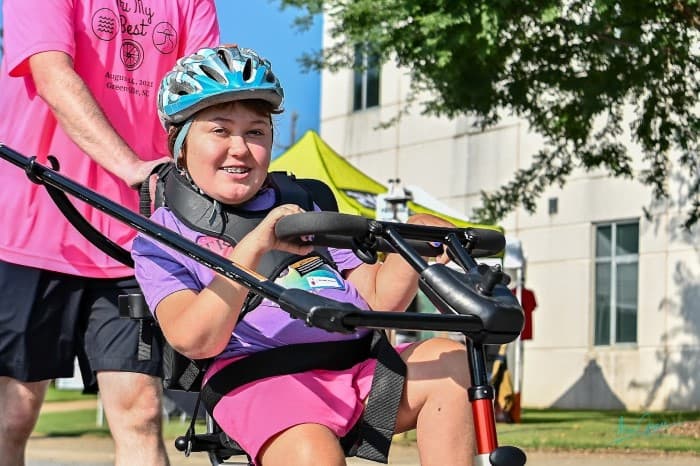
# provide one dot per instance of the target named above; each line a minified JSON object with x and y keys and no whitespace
{"x":199,"y":324}
{"x":392,"y":284}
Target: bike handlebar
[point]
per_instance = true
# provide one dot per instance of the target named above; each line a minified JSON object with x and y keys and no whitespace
{"x":479,"y":291}
{"x":344,"y":231}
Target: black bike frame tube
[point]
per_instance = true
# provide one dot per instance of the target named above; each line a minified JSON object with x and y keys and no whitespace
{"x":481,"y":396}
{"x":388,"y":232}
{"x":477,"y":363}
{"x":454,"y":245}
{"x":414,"y":321}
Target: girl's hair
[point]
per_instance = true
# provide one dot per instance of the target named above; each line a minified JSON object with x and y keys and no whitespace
{"x":261,"y":107}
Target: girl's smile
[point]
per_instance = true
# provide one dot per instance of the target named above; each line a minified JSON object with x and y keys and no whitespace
{"x":228,"y":150}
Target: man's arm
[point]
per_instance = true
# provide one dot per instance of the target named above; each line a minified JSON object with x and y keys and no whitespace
{"x":83,"y":120}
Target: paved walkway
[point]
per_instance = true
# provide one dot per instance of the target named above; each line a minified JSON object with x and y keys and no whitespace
{"x":99,"y":451}
{"x":96,"y":451}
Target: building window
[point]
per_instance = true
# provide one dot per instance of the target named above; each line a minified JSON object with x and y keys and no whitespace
{"x":366,"y":80}
{"x":616,"y":282}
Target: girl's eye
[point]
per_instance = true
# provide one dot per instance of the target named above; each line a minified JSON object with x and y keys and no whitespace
{"x":220,"y":130}
{"x":256,"y":132}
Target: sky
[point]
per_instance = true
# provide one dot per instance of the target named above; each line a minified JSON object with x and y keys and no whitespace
{"x":261,"y":25}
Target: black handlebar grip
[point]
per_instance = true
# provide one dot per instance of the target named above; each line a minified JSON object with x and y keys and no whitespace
{"x":323,"y":223}
{"x":488,"y":242}
{"x":332,"y":229}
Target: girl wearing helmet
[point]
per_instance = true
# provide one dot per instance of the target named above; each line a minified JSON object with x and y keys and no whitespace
{"x":217,"y":107}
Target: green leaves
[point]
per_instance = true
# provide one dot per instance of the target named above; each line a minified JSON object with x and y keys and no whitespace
{"x":568,"y":67}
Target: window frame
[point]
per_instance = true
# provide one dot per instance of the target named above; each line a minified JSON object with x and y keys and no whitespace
{"x":613,"y":259}
{"x":362,"y":70}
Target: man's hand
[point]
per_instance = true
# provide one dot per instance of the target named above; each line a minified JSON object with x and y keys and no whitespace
{"x":141,"y":171}
{"x":83,"y":120}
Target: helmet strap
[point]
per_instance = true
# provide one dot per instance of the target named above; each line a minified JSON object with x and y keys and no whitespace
{"x":177,"y":152}
{"x":180,"y":140}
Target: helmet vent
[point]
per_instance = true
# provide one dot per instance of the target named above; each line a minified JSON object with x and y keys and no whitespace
{"x":225,"y":57}
{"x":248,"y":70}
{"x":213,"y":74}
{"x":181,"y":88}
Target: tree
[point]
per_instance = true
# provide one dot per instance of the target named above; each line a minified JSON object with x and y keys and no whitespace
{"x":570,"y":68}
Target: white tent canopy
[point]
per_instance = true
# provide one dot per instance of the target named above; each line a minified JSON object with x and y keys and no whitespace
{"x":514,"y":258}
{"x":421,"y":196}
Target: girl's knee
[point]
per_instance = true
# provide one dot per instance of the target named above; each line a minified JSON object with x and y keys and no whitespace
{"x":439,"y":358}
{"x":453,"y":359}
{"x":304,"y":444}
{"x":438,"y":349}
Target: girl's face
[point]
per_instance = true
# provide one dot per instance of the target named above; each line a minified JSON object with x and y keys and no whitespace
{"x":228,"y":151}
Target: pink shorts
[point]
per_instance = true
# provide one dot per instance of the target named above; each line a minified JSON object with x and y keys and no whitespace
{"x":256,"y":412}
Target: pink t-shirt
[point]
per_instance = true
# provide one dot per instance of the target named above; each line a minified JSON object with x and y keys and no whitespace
{"x":121,"y":49}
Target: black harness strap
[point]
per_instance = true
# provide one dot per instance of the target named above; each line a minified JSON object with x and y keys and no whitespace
{"x":180,"y":372}
{"x":379,"y":419}
{"x":79,"y":222}
{"x":285,"y":360}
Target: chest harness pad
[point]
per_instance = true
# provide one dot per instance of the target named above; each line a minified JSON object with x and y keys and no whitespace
{"x":371,"y":437}
{"x":202,"y":214}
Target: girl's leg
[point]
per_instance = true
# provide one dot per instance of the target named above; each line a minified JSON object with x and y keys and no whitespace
{"x":303,"y":445}
{"x":436,"y":403}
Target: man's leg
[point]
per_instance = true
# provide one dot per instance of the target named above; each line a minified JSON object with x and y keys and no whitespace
{"x":132,"y":404}
{"x":126,"y":355}
{"x":36,"y":345}
{"x":19,"y":409}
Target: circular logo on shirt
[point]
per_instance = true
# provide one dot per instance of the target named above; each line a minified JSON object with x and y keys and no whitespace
{"x":164,"y":37}
{"x":105,"y":24}
{"x":131,"y":54}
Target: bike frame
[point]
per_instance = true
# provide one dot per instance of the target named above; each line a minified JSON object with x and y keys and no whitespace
{"x":475,"y":303}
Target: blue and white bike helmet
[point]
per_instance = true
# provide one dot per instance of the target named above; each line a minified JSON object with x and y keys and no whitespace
{"x":213,"y":76}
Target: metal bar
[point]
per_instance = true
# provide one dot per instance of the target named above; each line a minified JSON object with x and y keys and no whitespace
{"x":41,"y":174}
{"x":481,"y":396}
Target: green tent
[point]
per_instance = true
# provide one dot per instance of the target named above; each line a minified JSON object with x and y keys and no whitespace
{"x":356,"y":193}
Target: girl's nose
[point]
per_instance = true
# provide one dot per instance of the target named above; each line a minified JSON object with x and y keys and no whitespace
{"x":237,"y":146}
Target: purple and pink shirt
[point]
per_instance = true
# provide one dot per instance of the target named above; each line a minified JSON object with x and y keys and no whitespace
{"x":121,"y":49}
{"x":162,"y":271}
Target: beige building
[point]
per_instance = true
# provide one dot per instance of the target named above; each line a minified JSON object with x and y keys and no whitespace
{"x":618,"y":317}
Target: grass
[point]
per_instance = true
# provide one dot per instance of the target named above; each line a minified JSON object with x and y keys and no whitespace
{"x":54,"y":394}
{"x":601,"y":430}
{"x":70,"y":424}
{"x":84,"y":422}
{"x":540,"y":429}
{"x":596,"y":430}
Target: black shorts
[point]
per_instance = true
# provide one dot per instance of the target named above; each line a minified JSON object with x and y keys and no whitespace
{"x":49,"y":318}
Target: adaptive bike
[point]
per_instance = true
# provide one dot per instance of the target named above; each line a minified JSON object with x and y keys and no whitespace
{"x":473,"y":300}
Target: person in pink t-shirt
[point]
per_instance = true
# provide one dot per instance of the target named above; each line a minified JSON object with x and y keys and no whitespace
{"x":79,"y":81}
